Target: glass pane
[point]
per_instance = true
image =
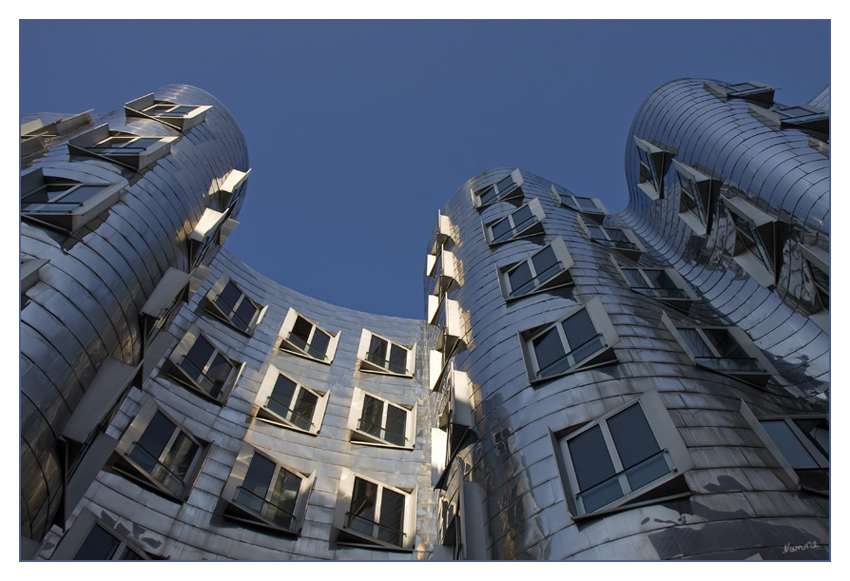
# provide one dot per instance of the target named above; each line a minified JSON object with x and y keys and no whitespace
{"x":590,"y":458}
{"x":364,"y":499}
{"x":632,"y":436}
{"x":547,"y":349}
{"x":519,"y":276}
{"x":586,"y":204}
{"x":392,"y":517}
{"x":501,"y":229}
{"x":244,"y":314}
{"x":98,"y":546}
{"x":696,"y":343}
{"x":396,"y":423}
{"x":792,"y":449}
{"x":544,"y":260}
{"x":284,"y":389}
{"x":634,"y":277}
{"x":180,"y":457}
{"x":616,"y":235}
{"x":726,"y":346}
{"x":302,"y":329}
{"x":258,"y":478}
{"x":196,"y":359}
{"x":378,"y":349}
{"x":282,"y":502}
{"x":660,"y":279}
{"x":647,"y":471}
{"x":373,"y":412}
{"x":229,"y":297}
{"x":153,"y":442}
{"x":487,"y":195}
{"x":522,"y":217}
{"x":217,"y":375}
{"x":505,"y":185}
{"x":579,"y":329}
{"x":817,"y":431}
{"x":320,"y":342}
{"x":597,"y":233}
{"x":80,"y":194}
{"x":398,"y":359}
{"x":305,"y":406}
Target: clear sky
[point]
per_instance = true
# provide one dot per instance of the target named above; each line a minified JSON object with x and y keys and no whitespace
{"x":359,"y":131}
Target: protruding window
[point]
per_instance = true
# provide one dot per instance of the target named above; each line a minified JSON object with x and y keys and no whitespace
{"x":622,"y":240}
{"x":454,"y":420}
{"x":227,"y":302}
{"x":758,"y":244}
{"x":524,"y":222}
{"x":65,"y":204}
{"x":653,"y":165}
{"x":373,"y":514}
{"x":93,"y":539}
{"x":302,"y":337}
{"x":290,"y":404}
{"x":445,"y":313}
{"x":445,"y":268}
{"x":181,"y":117}
{"x":231,"y":189}
{"x":805,"y":117}
{"x":35,"y":135}
{"x":164,"y":302}
{"x":121,"y":147}
{"x":379,"y":355}
{"x":581,"y":340}
{"x":817,"y":262}
{"x":462,"y":523}
{"x":591,"y":208}
{"x":545,"y":269}
{"x":508,"y":188}
{"x":664,"y":284}
{"x":378,"y":422}
{"x":198,"y":364}
{"x":212,"y":229}
{"x":698,"y":195}
{"x":263,"y":492}
{"x":800,"y":443}
{"x":157,"y":452}
{"x":726,"y":350}
{"x":751,"y":91}
{"x":631,"y":455}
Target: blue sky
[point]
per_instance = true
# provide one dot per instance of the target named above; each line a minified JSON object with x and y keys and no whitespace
{"x":359,"y":131}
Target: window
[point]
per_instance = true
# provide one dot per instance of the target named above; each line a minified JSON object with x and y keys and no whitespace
{"x":121,"y":147}
{"x":231,"y":189}
{"x":751,"y":91}
{"x":65,"y":204}
{"x":590,"y":207}
{"x":227,"y":302}
{"x":441,"y":235}
{"x":805,"y":117}
{"x":698,"y":195}
{"x":508,"y":188}
{"x":545,"y":269}
{"x":378,"y":422}
{"x":653,"y":165}
{"x":379,"y":355}
{"x":164,"y":302}
{"x":524,"y":222}
{"x":726,"y":350}
{"x":212,"y":229}
{"x":800,"y":443}
{"x":758,"y":245}
{"x":35,"y":134}
{"x":454,"y":422}
{"x":92,"y":539}
{"x":619,"y":239}
{"x":582,"y":339}
{"x":263,"y":492}
{"x":445,"y":269}
{"x":817,"y":262}
{"x":157,"y":452}
{"x":664,"y":284}
{"x":462,"y":523}
{"x":289,"y":404}
{"x":301,"y":337}
{"x":631,"y":456}
{"x":181,"y":117}
{"x":445,"y":314}
{"x":372,"y":514}
{"x":202,"y":367}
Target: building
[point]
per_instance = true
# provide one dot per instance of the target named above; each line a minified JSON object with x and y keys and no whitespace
{"x":647,"y":385}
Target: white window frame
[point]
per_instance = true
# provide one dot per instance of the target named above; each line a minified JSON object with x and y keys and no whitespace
{"x":446,"y":269}
{"x":123,"y":462}
{"x":367,"y":364}
{"x":604,"y":355}
{"x":86,"y":143}
{"x":671,"y":446}
{"x":159,"y":310}
{"x":141,"y":108}
{"x":228,"y":193}
{"x":761,"y":262}
{"x":560,"y":277}
{"x":506,"y":192}
{"x":454,"y":421}
{"x":286,"y":344}
{"x":264,"y":413}
{"x":175,"y":372}
{"x":758,"y":376}
{"x":571,"y":201}
{"x":533,"y":228}
{"x":68,"y":220}
{"x":348,"y":536}
{"x":212,"y":307}
{"x":632,"y":248}
{"x":363,"y":437}
{"x":652,"y":170}
{"x":445,"y":313}
{"x":441,"y":234}
{"x":703,"y":191}
{"x":681,"y":300}
{"x":213,"y":228}
{"x":240,"y":512}
{"x":79,"y":532}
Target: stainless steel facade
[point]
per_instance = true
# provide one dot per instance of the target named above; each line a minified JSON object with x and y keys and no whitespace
{"x":649,"y":385}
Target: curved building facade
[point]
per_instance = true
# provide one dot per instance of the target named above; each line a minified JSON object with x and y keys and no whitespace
{"x":648,"y":385}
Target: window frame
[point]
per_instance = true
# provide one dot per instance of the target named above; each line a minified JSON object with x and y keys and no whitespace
{"x":816,"y":119}
{"x":170,"y":293}
{"x":653,"y":164}
{"x":213,"y":228}
{"x":446,"y":314}
{"x":359,"y":436}
{"x":533,"y":228}
{"x":351,"y":537}
{"x":570,"y":200}
{"x":139,"y":108}
{"x":86,"y":143}
{"x":758,"y":91}
{"x":365,"y":364}
{"x":68,"y":221}
{"x":261,"y":411}
{"x":79,"y":532}
{"x":559,"y":279}
{"x":232,"y":186}
{"x":284,"y":344}
{"x":176,"y":373}
{"x":631,"y":249}
{"x":604,"y":355}
{"x":123,"y":463}
{"x":762,"y":260}
{"x":211,"y":306}
{"x":703,"y":192}
{"x":454,"y":422}
{"x":445,"y":268}
{"x":512,"y":192}
{"x":669,"y":486}
{"x":682,"y":302}
{"x":239,"y":512}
